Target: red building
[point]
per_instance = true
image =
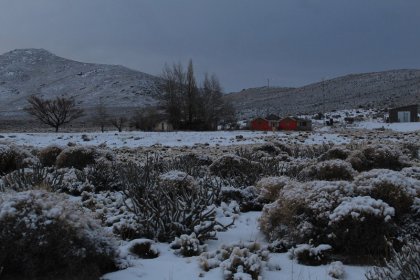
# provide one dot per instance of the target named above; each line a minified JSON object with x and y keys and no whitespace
{"x":288,"y":123}
{"x":261,"y":124}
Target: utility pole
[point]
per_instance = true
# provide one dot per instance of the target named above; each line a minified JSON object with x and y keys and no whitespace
{"x":323,"y":99}
{"x":268,"y":83}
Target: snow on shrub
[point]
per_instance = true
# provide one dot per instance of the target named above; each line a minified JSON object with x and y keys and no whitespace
{"x":413,"y":172}
{"x":78,"y":157}
{"x":390,"y":186}
{"x":403,"y":265}
{"x":11,"y":158}
{"x":376,"y":156}
{"x":44,"y":235}
{"x":302,"y":210}
{"x":112,"y":208}
{"x":103,"y":176}
{"x":165,"y":212}
{"x":270,"y":187}
{"x":247,"y":198}
{"x":32,"y":178}
{"x":335,"y":153}
{"x":238,"y":261}
{"x":48,"y":155}
{"x":362,"y":226}
{"x":307,"y":254}
{"x":178,"y":181}
{"x":143,"y":248}
{"x":330,"y":170}
{"x":187,"y":245}
{"x":240,"y":170}
{"x":336,"y":270}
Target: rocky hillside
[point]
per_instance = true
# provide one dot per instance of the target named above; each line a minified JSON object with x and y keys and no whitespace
{"x":380,"y":89}
{"x":36,"y":71}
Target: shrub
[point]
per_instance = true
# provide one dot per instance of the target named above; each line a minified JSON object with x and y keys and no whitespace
{"x":241,"y":171}
{"x":48,"y":155}
{"x":362,"y":226}
{"x":77,"y":157}
{"x":45,"y":236}
{"x":247,"y":198}
{"x":32,"y":178}
{"x":238,"y":261}
{"x":10,"y":159}
{"x":403,"y":265}
{"x":187,"y":245}
{"x":103,"y":176}
{"x":302,"y":211}
{"x":165,"y":212}
{"x":390,"y":186}
{"x":307,"y":254}
{"x":376,"y":156}
{"x":269,"y":187}
{"x":335,"y":153}
{"x":112,"y":209}
{"x":413,"y":172}
{"x":330,"y":170}
{"x":336,"y":270}
{"x":143,"y":248}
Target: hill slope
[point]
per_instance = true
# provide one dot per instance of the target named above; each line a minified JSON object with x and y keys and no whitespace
{"x":379,"y":89}
{"x":36,"y":71}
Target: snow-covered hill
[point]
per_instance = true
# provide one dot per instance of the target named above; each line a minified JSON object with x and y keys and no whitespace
{"x":379,"y":89}
{"x":25,"y":72}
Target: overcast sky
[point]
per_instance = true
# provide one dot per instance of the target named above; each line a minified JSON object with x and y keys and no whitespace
{"x":244,"y":42}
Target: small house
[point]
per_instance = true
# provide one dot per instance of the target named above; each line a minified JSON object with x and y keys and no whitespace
{"x":261,"y":124}
{"x":403,"y":114}
{"x":291,"y":123}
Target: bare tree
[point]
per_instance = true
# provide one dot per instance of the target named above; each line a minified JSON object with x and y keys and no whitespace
{"x":101,"y":115}
{"x":119,"y":123}
{"x":54,"y":112}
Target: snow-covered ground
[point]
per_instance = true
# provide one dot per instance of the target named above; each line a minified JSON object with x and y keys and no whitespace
{"x":400,"y":127}
{"x":169,"y":266}
{"x":173,"y":139}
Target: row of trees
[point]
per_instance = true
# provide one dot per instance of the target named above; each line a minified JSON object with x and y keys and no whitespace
{"x":191,"y":107}
{"x":185,"y":105}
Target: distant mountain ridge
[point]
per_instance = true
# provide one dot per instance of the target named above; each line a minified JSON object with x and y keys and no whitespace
{"x":377,"y":89}
{"x":24,"y":72}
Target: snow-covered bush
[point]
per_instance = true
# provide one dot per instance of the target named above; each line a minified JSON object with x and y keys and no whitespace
{"x":307,"y":254}
{"x":103,"y":176}
{"x":336,"y":270}
{"x":330,"y":170}
{"x":238,"y":261}
{"x":164,"y":211}
{"x":143,"y":248}
{"x":48,"y":156}
{"x":242,"y":171}
{"x":413,"y":172}
{"x":191,"y":163}
{"x":32,"y":178}
{"x":10,"y":159}
{"x":362,"y":226}
{"x":335,"y":153}
{"x":78,"y":157}
{"x":269,"y":187}
{"x":187,"y":245}
{"x":403,"y":265}
{"x":45,"y":236}
{"x":376,"y":156}
{"x":73,"y":181}
{"x":390,"y":186}
{"x":302,"y":211}
{"x":247,"y":198}
{"x":112,"y":209}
